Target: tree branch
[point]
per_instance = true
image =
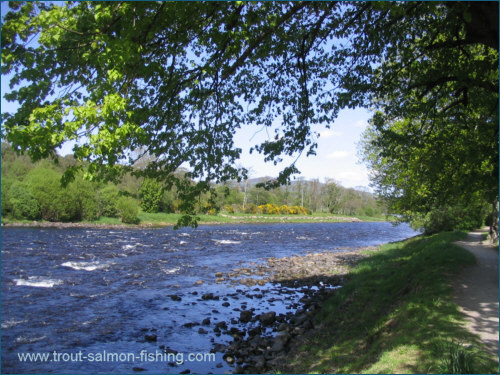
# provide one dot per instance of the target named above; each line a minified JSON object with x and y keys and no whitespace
{"x":257,"y":41}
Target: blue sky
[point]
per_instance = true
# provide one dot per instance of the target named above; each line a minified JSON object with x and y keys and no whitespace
{"x":336,"y":153}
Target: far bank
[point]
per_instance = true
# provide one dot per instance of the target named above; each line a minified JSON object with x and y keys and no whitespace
{"x":148,"y":220}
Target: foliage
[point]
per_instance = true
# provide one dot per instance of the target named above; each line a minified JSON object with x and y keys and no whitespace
{"x":128,"y":210}
{"x":151,"y":194}
{"x":92,"y":200}
{"x":85,"y":195}
{"x":432,"y":179}
{"x":250,"y":209}
{"x":22,"y":203}
{"x":169,"y":202}
{"x":56,"y":203}
{"x":449,"y":218}
{"x":6,"y":183}
{"x":433,"y":143}
{"x":176,"y":80}
{"x":106,"y":198}
{"x":272,"y":209}
{"x":457,"y":359}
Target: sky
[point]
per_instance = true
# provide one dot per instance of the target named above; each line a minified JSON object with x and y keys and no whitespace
{"x":336,"y":153}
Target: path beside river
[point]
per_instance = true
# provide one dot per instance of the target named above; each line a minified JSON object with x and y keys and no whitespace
{"x":476,"y":290}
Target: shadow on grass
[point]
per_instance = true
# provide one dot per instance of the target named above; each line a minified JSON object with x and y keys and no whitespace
{"x":394,"y":315}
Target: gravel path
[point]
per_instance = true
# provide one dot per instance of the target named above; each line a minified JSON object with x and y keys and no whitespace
{"x":476,"y":290}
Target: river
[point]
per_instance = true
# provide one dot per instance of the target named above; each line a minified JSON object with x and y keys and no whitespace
{"x":76,"y":294}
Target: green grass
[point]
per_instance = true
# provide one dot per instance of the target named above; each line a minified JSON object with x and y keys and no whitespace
{"x":159,"y":219}
{"x":163,"y":219}
{"x":395,"y":315}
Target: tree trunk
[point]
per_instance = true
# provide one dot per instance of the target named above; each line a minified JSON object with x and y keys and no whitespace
{"x":494,"y":223}
{"x":245,"y":196}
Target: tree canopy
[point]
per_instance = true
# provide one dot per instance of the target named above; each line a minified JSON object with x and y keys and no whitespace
{"x":175,"y":80}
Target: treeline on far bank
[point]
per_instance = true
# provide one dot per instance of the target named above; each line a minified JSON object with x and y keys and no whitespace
{"x":33,"y":191}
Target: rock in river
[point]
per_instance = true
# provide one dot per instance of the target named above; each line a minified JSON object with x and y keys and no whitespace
{"x":246,"y":316}
{"x":268,"y":318}
{"x":150,"y":338}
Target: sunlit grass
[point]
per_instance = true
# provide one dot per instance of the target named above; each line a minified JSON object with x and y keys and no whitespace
{"x":223,"y":218}
{"x":163,"y":219}
{"x":395,"y":314}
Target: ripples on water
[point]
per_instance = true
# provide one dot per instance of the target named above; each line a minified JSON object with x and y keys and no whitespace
{"x":97,"y":289}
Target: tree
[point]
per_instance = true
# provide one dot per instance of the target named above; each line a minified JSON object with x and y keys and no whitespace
{"x":151,"y":194}
{"x":331,"y":196}
{"x":453,"y":168}
{"x":177,"y":79}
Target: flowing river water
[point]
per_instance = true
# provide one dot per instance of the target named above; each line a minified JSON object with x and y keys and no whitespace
{"x":79,"y":293}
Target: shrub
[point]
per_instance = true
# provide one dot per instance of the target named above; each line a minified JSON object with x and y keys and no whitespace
{"x":272,"y":209}
{"x":107,"y":199}
{"x":168,"y":202}
{"x":6,"y":183}
{"x":368,"y":211}
{"x":128,"y":210}
{"x":208,"y":209}
{"x":250,"y":209}
{"x":89,"y":209}
{"x":87,"y":198}
{"x":55,"y":202}
{"x":447,"y":218}
{"x":284,"y":210}
{"x":268,"y":209}
{"x":22,"y":202}
{"x":296,"y":210}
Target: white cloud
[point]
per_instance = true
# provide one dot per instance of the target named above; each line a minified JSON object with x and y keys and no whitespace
{"x":354,"y":177}
{"x":361,"y":124}
{"x":338,"y":155}
{"x":328,"y":133}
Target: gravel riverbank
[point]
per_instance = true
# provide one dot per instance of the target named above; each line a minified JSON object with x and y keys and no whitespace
{"x":261,"y":339}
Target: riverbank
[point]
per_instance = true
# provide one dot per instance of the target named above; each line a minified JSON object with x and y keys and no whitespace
{"x":388,"y":309}
{"x":394,"y":314}
{"x":148,"y":220}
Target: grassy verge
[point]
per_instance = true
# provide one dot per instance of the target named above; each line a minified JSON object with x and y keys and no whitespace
{"x":168,"y":219}
{"x":395,"y":315}
{"x":164,"y":219}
